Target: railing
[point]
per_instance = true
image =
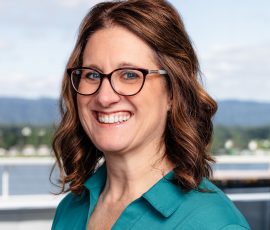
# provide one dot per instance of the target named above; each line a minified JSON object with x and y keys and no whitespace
{"x":6,"y":163}
{"x":43,"y":206}
{"x":16,"y":202}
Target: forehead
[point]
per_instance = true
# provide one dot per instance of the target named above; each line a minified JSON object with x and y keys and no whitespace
{"x":114,"y":45}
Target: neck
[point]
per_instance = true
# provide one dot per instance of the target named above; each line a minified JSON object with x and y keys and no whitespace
{"x":131,"y":175}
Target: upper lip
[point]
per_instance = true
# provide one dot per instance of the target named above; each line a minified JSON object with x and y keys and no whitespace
{"x":111,"y":112}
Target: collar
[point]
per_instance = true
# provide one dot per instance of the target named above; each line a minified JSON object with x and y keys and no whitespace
{"x":98,"y":179}
{"x":165,"y":197}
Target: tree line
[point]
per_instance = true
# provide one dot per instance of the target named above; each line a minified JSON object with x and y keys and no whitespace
{"x":240,"y":137}
{"x":21,"y":135}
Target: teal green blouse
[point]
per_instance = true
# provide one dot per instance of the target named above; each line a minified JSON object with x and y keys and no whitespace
{"x":164,"y":206}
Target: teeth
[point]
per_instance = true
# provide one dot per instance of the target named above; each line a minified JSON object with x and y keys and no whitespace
{"x":113,"y":118}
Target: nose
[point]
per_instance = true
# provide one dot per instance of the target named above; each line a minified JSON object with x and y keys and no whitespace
{"x":106,"y":95}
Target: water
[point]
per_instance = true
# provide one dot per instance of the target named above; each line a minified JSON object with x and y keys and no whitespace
{"x":29,"y":179}
{"x":242,"y":166}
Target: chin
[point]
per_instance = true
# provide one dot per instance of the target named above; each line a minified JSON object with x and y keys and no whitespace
{"x":112,"y":143}
{"x":111,"y":148}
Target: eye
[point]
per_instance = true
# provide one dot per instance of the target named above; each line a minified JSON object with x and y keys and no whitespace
{"x":91,"y":75}
{"x":130,"y":75}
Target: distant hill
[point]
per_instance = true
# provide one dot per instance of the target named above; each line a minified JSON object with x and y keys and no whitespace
{"x":19,"y":111}
{"x":242,"y":113}
{"x":45,"y":111}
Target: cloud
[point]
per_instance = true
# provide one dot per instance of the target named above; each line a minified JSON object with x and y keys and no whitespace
{"x":70,"y":3}
{"x":76,"y":3}
{"x":20,"y":85}
{"x":40,"y":35}
{"x":238,"y":72}
{"x":4,"y":44}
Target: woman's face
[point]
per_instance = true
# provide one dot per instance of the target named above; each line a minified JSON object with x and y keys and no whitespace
{"x":146,"y":112}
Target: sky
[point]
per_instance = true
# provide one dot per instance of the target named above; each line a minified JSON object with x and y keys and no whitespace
{"x":232,"y":40}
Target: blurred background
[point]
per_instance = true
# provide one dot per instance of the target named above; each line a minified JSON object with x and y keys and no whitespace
{"x":232,"y":39}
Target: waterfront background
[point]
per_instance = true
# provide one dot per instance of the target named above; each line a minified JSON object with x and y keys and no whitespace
{"x":27,"y":200}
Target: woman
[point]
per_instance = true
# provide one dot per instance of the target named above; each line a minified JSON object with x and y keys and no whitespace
{"x":132,"y":98}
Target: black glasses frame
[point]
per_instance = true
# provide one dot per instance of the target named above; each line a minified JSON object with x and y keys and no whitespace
{"x":145,"y":72}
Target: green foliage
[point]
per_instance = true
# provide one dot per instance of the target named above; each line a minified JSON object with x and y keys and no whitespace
{"x":12,"y":136}
{"x":240,"y":136}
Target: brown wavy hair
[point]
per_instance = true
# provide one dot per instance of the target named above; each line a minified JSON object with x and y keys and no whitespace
{"x":189,"y":126}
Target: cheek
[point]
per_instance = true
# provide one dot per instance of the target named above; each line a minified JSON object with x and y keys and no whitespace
{"x":80,"y":100}
{"x":154,"y":106}
{"x":80,"y":106}
{"x":83,"y":102}
{"x":83,"y":111}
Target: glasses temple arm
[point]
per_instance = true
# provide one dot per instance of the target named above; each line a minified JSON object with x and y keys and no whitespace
{"x":160,"y":71}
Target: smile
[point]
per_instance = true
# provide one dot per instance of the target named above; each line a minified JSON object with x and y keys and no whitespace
{"x":112,"y":118}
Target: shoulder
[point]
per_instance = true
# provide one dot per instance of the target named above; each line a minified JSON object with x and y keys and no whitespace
{"x":72,"y":211}
{"x":210,"y":210}
{"x":234,"y":227}
{"x":69,"y":207}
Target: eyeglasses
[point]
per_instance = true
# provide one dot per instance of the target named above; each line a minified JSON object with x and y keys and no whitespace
{"x":124,"y":81}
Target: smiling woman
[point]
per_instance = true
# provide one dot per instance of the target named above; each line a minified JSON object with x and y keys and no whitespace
{"x":131,"y":97}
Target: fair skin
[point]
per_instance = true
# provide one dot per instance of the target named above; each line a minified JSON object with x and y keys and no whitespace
{"x":132,"y":149}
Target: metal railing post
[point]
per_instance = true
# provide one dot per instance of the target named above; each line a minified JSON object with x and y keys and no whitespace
{"x":5,"y":183}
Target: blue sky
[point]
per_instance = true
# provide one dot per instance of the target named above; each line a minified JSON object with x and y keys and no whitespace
{"x":232,"y":39}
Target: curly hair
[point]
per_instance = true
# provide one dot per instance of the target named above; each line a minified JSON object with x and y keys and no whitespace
{"x":189,"y":125}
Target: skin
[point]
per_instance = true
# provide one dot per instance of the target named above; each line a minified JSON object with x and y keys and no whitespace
{"x":132,"y":150}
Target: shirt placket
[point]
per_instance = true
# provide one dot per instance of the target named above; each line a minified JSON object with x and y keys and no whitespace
{"x":131,"y":215}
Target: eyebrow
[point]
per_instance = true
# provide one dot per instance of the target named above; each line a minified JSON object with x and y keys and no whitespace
{"x":128,"y":64}
{"x":93,"y":66}
{"x":121,"y":65}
